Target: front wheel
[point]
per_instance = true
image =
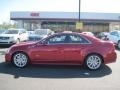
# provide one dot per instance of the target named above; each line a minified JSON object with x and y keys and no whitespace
{"x":93,"y":62}
{"x":20,"y":59}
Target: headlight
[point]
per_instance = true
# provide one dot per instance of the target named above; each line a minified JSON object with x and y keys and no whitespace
{"x":11,"y":38}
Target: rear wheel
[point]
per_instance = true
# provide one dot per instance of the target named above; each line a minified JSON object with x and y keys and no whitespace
{"x":20,"y":59}
{"x":93,"y":62}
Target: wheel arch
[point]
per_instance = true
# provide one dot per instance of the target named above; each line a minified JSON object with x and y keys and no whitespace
{"x":94,"y":54}
{"x":20,"y":52}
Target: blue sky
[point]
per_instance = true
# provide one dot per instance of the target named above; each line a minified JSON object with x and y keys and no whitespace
{"x":106,"y":6}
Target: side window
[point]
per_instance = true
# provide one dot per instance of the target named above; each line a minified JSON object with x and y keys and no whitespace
{"x":22,"y":31}
{"x":57,"y":39}
{"x":78,"y":39}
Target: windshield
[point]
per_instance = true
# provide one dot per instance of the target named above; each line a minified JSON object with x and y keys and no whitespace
{"x":2,"y":31}
{"x":41,"y":32}
{"x":11,"y":32}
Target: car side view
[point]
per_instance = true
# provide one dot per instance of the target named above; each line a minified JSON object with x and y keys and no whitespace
{"x":63,"y":49}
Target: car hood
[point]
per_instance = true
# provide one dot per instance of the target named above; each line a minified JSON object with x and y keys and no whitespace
{"x":8,"y":35}
{"x":23,"y":46}
{"x":25,"y":43}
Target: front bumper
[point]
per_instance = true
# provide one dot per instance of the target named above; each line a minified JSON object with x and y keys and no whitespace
{"x":7,"y":42}
{"x":8,"y":57}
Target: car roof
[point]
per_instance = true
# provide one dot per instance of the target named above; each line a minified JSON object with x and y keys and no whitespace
{"x":17,"y":29}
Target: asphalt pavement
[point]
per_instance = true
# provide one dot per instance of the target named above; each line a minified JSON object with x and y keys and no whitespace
{"x":44,"y":77}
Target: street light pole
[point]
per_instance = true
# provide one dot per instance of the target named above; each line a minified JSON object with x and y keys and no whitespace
{"x":79,"y":9}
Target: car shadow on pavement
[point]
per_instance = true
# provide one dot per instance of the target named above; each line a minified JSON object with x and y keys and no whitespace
{"x":50,"y":71}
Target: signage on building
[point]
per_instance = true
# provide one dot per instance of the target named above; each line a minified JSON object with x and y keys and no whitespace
{"x":79,"y":25}
{"x":34,"y":14}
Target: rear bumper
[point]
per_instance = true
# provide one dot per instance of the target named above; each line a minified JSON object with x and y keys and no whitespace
{"x":110,"y":58}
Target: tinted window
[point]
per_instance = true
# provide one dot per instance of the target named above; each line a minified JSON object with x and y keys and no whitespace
{"x":11,"y":32}
{"x":57,"y":39}
{"x":77,"y":39}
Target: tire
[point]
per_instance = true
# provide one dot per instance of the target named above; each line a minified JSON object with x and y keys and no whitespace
{"x":20,"y":59}
{"x":118,"y":45}
{"x":93,"y":61}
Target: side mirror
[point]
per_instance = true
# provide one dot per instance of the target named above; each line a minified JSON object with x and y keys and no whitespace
{"x":44,"y":43}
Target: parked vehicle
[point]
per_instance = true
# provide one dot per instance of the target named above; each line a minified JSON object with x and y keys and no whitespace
{"x":34,"y":37}
{"x":39,"y":34}
{"x":2,"y":31}
{"x":114,"y":36}
{"x":63,"y":49}
{"x":13,"y":36}
{"x":30,"y":32}
{"x":44,"y":32}
{"x":88,"y":33}
{"x":103,"y":35}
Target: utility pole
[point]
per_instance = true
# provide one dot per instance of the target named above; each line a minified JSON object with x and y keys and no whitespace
{"x":79,"y":9}
{"x":79,"y":24}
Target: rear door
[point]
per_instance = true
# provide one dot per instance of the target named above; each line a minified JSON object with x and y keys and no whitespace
{"x":73,"y":50}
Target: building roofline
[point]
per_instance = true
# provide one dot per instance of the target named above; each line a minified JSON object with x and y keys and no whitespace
{"x":67,"y":16}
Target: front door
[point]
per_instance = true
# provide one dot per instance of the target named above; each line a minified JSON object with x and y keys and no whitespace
{"x":51,"y":51}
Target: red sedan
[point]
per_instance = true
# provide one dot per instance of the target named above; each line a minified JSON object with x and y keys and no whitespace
{"x":63,"y":49}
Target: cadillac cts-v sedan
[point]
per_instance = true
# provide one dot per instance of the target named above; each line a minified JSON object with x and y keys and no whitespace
{"x":63,"y":49}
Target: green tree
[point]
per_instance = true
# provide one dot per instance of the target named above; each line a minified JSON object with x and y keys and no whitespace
{"x":5,"y":25}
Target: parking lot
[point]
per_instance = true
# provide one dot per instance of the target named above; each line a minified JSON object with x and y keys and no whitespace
{"x":45,"y":77}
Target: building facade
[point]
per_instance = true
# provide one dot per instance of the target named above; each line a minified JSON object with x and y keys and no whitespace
{"x":63,"y":21}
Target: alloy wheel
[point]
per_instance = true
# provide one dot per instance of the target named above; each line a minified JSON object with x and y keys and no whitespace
{"x":20,"y":60}
{"x":93,"y":62}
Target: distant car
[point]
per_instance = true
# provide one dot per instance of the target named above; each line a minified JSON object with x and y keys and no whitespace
{"x":63,"y":49}
{"x":2,"y":31}
{"x":67,"y":31}
{"x":39,"y":34}
{"x":88,"y":33}
{"x":13,"y":36}
{"x":103,"y":35}
{"x":30,"y":32}
{"x":114,"y":36}
{"x":34,"y":37}
{"x":44,"y":32}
